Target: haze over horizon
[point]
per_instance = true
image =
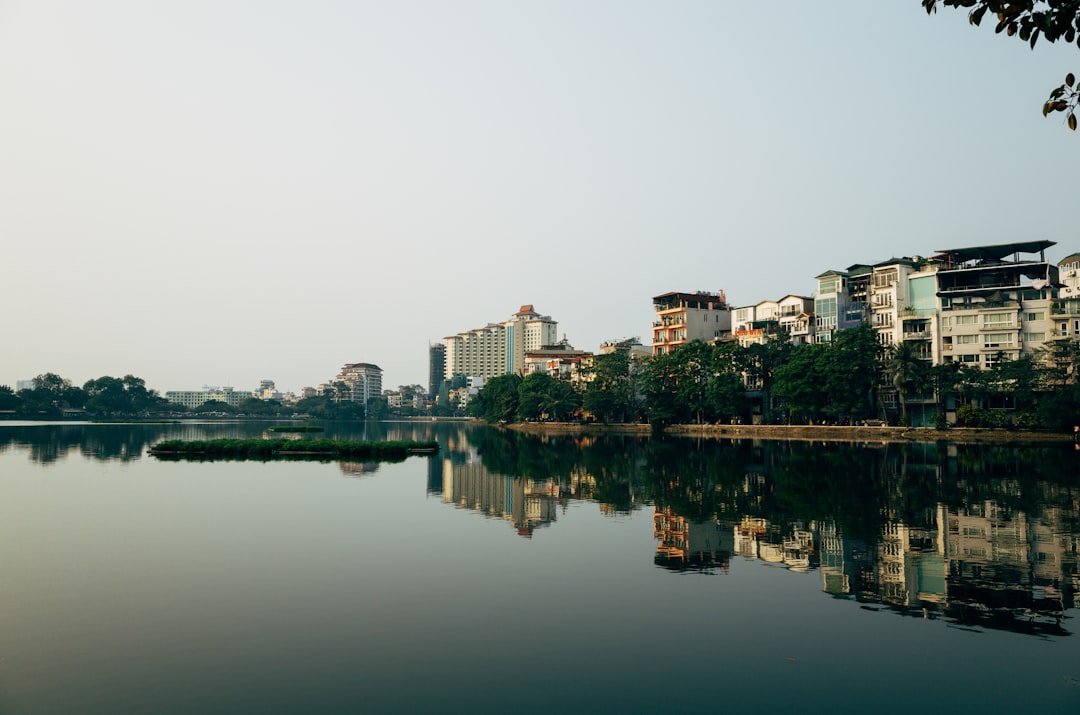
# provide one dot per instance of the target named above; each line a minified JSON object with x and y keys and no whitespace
{"x":217,"y":193}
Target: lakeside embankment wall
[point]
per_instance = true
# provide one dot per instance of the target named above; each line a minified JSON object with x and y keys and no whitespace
{"x":811,"y":433}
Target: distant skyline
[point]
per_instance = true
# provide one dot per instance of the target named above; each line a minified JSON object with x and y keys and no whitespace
{"x":218,"y":193}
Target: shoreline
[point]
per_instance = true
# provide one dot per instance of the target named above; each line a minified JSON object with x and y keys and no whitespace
{"x":808,"y":433}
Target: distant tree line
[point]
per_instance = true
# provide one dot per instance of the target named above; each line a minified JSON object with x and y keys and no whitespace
{"x":52,"y":396}
{"x":845,"y":381}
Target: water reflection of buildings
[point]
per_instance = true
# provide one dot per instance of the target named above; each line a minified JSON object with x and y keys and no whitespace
{"x":688,"y":544}
{"x":794,"y":547}
{"x":462,"y":480}
{"x":978,"y":564}
{"x":358,"y":469}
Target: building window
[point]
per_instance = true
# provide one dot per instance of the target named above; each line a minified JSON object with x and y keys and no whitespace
{"x":997,"y":320}
{"x":998,"y":340}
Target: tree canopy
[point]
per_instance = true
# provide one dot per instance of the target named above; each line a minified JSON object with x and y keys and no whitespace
{"x":1029,"y":20}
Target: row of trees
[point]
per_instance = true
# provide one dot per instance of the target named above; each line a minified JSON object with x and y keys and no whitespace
{"x":849,"y":379}
{"x":51,"y":395}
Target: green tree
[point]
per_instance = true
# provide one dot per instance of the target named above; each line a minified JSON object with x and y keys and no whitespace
{"x":260,"y":408}
{"x":853,"y":370}
{"x":609,"y":388}
{"x":905,"y":372}
{"x":799,"y":382}
{"x":106,"y":395}
{"x":377,"y":408}
{"x":497,"y":401}
{"x":1029,"y":20}
{"x":725,"y":391}
{"x":761,"y":361}
{"x":8,"y":399}
{"x":675,"y":384}
{"x":216,"y":406}
{"x":50,"y":394}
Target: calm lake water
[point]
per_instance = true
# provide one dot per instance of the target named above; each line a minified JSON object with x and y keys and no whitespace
{"x":535,"y":575}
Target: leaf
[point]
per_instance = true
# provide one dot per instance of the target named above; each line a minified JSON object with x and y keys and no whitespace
{"x":1046,"y":109}
{"x":1072,"y":122}
{"x":1069,"y":79}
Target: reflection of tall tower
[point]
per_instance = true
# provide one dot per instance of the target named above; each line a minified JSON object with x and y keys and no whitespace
{"x":525,"y":503}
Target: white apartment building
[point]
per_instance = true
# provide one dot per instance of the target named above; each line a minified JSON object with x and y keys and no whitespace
{"x":1065,"y":310}
{"x":996,"y":302}
{"x":364,"y":382}
{"x":499,"y":348}
{"x":195,"y":398}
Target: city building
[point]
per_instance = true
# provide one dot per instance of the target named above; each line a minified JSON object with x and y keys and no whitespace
{"x":499,"y":348}
{"x":684,"y":317}
{"x":363,"y":381}
{"x":841,"y":301}
{"x":792,"y":315}
{"x":195,"y":398}
{"x":560,"y":360}
{"x":888,"y":294}
{"x":1065,"y":309}
{"x":627,"y":346}
{"x":996,"y":302}
{"x":436,"y":368}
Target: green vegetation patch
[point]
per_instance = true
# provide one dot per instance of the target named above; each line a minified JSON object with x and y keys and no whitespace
{"x":265,"y":449}
{"x":294,"y":429}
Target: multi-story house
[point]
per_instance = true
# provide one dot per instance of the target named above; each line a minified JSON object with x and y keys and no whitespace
{"x":561,"y":360}
{"x":685,"y":317}
{"x":841,"y":301}
{"x":795,"y":316}
{"x":918,"y":317}
{"x":888,"y":294}
{"x":499,"y":348}
{"x":792,"y":315}
{"x":1065,"y":310}
{"x":754,"y":324}
{"x":996,"y":302}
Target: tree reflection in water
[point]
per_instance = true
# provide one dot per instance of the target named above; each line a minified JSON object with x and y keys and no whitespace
{"x":982,"y":536}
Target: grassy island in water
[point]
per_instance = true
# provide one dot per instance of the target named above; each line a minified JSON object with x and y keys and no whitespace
{"x":289,"y":448}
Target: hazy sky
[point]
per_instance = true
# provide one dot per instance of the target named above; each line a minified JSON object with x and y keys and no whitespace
{"x":220,"y":192}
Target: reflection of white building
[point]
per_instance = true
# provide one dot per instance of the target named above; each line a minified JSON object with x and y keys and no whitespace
{"x":525,"y":503}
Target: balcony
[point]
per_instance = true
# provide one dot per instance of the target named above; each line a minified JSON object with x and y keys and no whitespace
{"x":1065,"y":307}
{"x":918,"y":335}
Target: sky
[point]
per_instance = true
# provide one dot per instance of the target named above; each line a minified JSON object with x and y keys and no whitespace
{"x":215,"y":193}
